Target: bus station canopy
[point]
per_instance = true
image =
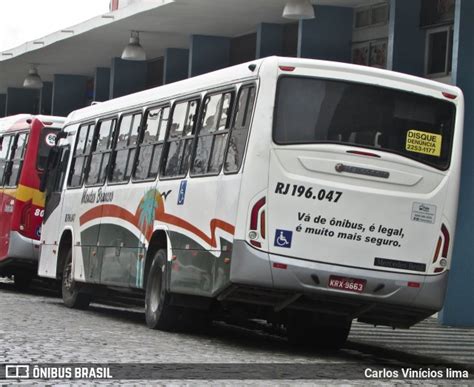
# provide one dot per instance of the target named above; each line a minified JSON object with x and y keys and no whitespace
{"x":163,"y":24}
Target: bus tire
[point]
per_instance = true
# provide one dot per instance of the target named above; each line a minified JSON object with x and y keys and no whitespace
{"x":72,"y":297}
{"x":22,"y":280}
{"x":158,"y":311}
{"x":331,"y":336}
{"x":320,"y":334}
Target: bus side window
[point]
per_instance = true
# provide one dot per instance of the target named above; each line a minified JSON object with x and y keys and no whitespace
{"x":81,"y":153}
{"x":240,"y":128}
{"x":212,"y":134}
{"x":101,"y":150}
{"x":5,"y":149}
{"x":152,"y":142}
{"x":18,"y":153}
{"x":178,"y":146}
{"x":125,"y":146}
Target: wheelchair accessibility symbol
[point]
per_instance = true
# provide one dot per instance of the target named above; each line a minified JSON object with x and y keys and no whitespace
{"x":283,"y":238}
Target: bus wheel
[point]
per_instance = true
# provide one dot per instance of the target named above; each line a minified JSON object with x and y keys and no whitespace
{"x":320,"y":334}
{"x":22,"y":280}
{"x":331,"y":335}
{"x":158,"y":312}
{"x":72,"y":297}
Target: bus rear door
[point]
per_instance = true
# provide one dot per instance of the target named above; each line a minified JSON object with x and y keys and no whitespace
{"x":348,"y":193}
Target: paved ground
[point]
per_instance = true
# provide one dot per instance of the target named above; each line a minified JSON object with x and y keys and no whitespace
{"x":37,"y":328}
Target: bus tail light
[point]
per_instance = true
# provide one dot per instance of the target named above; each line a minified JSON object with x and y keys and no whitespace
{"x":438,"y":249}
{"x":25,"y":215}
{"x":254,"y":215}
{"x":449,"y":95}
{"x":442,"y":249}
{"x":445,"y":233}
{"x":262,"y":224}
{"x":257,"y":222}
{"x":360,"y":153}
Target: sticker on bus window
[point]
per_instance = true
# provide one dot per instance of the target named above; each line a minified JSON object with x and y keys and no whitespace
{"x":50,"y":139}
{"x":182,"y":192}
{"x":424,"y":142}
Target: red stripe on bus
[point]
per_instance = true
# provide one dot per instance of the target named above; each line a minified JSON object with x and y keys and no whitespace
{"x":114,"y":211}
{"x":108,"y":210}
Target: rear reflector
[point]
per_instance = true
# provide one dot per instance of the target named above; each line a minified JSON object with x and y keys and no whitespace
{"x":414,"y":284}
{"x":449,"y":95}
{"x":438,"y":269}
{"x":278,"y":265}
{"x":287,"y":68}
{"x":256,"y":244}
{"x":445,"y":233}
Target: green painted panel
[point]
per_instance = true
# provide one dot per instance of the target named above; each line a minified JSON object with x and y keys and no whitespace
{"x":198,"y":271}
{"x":114,"y":261}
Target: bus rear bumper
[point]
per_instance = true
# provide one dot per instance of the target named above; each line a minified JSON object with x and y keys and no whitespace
{"x":22,"y":255}
{"x":389,"y":298}
{"x":22,"y":247}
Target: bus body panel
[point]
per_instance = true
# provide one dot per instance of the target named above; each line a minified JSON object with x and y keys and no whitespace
{"x":22,"y":204}
{"x":113,"y":224}
{"x":114,"y":235}
{"x":258,"y":236}
{"x":393,"y":222}
{"x":351,"y":221}
{"x":393,"y":207}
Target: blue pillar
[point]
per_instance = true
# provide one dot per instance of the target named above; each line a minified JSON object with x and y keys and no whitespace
{"x":3,"y":103}
{"x":406,"y":40}
{"x":155,"y":70}
{"x":101,"y":84}
{"x":20,"y":100}
{"x":208,"y":53}
{"x":459,"y":304}
{"x":69,"y":93}
{"x":243,"y":49}
{"x":126,"y":77}
{"x":176,"y":65}
{"x":269,"y":40}
{"x":46,"y":98}
{"x":328,"y":36}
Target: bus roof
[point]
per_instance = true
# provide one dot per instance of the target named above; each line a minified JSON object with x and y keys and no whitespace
{"x":244,"y":72}
{"x":20,"y":121}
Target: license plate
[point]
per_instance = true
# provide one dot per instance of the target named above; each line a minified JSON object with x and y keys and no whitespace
{"x":348,"y":284}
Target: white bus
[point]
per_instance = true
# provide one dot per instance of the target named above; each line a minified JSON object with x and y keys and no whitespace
{"x":307,"y":193}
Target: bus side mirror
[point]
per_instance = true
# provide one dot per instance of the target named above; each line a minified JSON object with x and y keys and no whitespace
{"x":51,"y":163}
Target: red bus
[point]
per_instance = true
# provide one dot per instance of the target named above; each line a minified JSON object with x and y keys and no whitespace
{"x":25,"y":142}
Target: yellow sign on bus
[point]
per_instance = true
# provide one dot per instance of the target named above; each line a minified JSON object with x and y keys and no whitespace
{"x":424,"y":142}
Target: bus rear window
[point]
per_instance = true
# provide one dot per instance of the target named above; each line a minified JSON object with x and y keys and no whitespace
{"x":311,"y":110}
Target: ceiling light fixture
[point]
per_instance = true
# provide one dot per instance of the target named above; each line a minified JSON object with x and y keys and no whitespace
{"x":298,"y":9}
{"x":33,"y":80}
{"x":133,"y":50}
